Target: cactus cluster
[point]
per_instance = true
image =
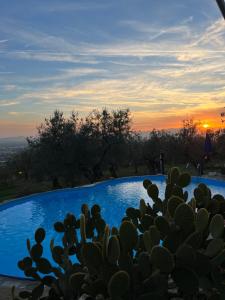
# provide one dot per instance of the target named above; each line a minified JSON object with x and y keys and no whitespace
{"x":173,"y":249}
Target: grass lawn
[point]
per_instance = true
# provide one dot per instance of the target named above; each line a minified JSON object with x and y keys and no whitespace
{"x":22,"y":188}
{"x":8,"y":192}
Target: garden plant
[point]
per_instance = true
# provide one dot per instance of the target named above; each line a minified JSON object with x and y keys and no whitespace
{"x":172,"y":249}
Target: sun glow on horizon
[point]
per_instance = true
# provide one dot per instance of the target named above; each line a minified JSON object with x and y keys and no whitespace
{"x":206,"y":125}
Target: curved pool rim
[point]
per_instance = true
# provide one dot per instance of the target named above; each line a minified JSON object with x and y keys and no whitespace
{"x":194,"y":179}
{"x":17,"y":201}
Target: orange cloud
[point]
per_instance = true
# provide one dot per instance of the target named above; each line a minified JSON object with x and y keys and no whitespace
{"x":146,"y":121}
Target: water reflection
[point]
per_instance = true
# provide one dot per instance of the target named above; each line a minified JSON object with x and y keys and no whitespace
{"x":19,"y":222}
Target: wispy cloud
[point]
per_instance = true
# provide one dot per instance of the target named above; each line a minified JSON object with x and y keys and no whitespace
{"x":66,"y":74}
{"x":21,"y":113}
{"x":50,"y":56}
{"x":8,"y":103}
{"x":161,"y":71}
{"x":65,"y":7}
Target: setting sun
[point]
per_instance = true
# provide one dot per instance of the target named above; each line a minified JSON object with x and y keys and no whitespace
{"x":206,"y":125}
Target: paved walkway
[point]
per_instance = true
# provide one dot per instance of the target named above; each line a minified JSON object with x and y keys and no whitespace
{"x":7,"y":283}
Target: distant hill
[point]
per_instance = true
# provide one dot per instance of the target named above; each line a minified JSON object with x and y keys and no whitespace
{"x":13,"y":141}
{"x":10,"y":146}
{"x":145,"y":134}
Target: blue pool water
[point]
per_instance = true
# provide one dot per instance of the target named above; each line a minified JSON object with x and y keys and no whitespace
{"x":20,"y":218}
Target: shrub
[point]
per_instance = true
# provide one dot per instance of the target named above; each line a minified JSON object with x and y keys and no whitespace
{"x":171,"y":249}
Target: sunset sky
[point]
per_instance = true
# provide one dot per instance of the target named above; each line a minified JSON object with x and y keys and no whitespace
{"x":165,"y":60}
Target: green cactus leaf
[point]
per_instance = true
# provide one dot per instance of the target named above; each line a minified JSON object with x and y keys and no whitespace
{"x":105,"y":242}
{"x":48,"y":280}
{"x":38,"y":291}
{"x":173,"y":203}
{"x":95,"y":210}
{"x":168,"y":190}
{"x":39,"y":235}
{"x":28,"y":245}
{"x":125,"y":262}
{"x":216,"y":226}
{"x":36,"y":251}
{"x":186,"y":280}
{"x":144,"y":264}
{"x":184,"y":180}
{"x":132,"y":213}
{"x":152,"y":296}
{"x":162,"y":259}
{"x":156,"y":284}
{"x":146,"y":221}
{"x":173,"y":240}
{"x":118,"y":284}
{"x":184,"y":217}
{"x":174,"y":175}
{"x":214,"y":207}
{"x":178,"y":191}
{"x":32,"y":272}
{"x":21,"y":265}
{"x":114,"y":231}
{"x":153,"y":191}
{"x":70,"y":220}
{"x":202,"y":219}
{"x":113,"y":250}
{"x":214,"y":247}
{"x":163,"y":225}
{"x":202,"y":265}
{"x":25,"y":294}
{"x":128,"y":236}
{"x":59,"y":227}
{"x":151,"y":238}
{"x":215,"y":296}
{"x":57,"y":254}
{"x":147,"y":183}
{"x":158,"y":204}
{"x":218,"y":197}
{"x":147,"y":241}
{"x":85,"y":209}
{"x":76,"y":281}
{"x":100,"y":226}
{"x":194,"y":239}
{"x":203,"y":187}
{"x":44,"y":266}
{"x":27,"y":261}
{"x":219,"y":259}
{"x":82,"y":228}
{"x":185,"y":255}
{"x":185,"y":196}
{"x":92,"y":255}
{"x":192,"y":204}
{"x":154,"y":235}
{"x":199,"y":195}
{"x":142,"y":207}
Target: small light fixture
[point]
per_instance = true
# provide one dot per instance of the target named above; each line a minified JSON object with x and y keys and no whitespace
{"x":221,"y":4}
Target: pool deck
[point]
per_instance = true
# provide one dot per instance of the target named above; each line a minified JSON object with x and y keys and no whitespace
{"x":6,"y":284}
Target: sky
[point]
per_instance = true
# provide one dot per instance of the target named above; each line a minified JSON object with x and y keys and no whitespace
{"x":164,"y":60}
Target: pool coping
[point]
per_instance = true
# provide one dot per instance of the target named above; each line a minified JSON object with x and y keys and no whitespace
{"x":13,"y":202}
{"x":23,"y":198}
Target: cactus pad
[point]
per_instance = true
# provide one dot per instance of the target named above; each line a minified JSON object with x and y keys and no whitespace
{"x":162,"y":259}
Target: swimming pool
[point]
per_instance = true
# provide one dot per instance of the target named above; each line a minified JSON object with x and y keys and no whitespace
{"x":20,"y":218}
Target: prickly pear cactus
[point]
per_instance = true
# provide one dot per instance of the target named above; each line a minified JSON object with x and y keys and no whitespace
{"x":172,"y":249}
